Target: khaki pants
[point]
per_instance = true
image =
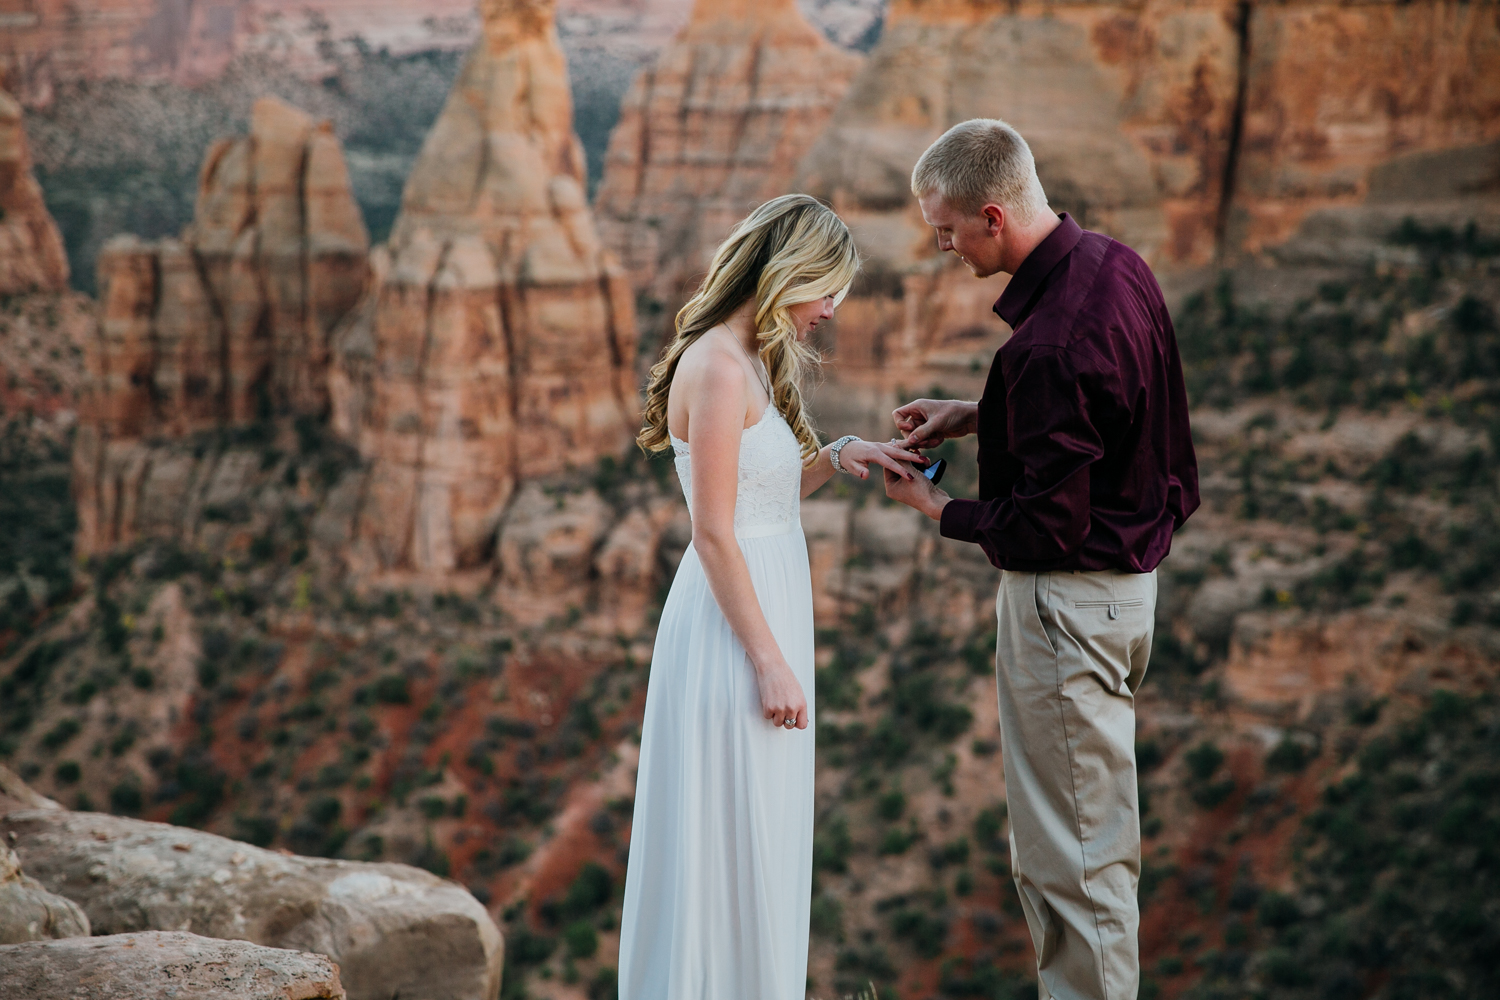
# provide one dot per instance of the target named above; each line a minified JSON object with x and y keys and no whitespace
{"x":1071,"y":652}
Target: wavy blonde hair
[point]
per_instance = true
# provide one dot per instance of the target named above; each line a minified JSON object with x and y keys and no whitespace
{"x":791,"y":250}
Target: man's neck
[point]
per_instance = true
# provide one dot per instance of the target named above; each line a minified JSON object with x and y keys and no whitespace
{"x":1022,"y":242}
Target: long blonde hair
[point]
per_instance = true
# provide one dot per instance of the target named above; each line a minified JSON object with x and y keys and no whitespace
{"x":790,"y":250}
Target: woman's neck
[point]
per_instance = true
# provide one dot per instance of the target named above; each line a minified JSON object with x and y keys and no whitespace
{"x":741,"y":325}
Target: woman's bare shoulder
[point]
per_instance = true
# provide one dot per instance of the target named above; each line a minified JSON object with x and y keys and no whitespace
{"x":709,"y":365}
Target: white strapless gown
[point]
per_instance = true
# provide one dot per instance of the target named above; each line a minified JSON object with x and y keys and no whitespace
{"x":717,"y":892}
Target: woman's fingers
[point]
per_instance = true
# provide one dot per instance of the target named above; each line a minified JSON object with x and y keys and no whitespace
{"x":897,"y":466}
{"x":902,"y":453}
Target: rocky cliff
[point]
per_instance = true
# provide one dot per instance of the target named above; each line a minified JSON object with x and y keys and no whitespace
{"x":49,"y":43}
{"x":497,"y":340}
{"x":1201,"y":133}
{"x":711,"y":129}
{"x":31,"y":251}
{"x":227,"y":325}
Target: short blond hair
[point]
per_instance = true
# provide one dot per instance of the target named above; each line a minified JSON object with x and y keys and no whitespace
{"x":979,"y":162}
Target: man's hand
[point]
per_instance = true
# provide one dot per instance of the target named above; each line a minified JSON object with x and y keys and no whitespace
{"x":927,"y":423}
{"x":917,"y":493}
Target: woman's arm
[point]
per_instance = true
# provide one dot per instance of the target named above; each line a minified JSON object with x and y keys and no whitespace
{"x":717,"y":398}
{"x":857,"y":457}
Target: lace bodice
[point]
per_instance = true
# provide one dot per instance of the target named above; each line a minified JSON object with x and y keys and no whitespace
{"x":770,"y":487}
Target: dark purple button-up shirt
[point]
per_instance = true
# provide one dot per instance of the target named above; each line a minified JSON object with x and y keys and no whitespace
{"x":1085,"y":458}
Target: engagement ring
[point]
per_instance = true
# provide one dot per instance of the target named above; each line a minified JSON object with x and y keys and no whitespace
{"x":790,"y":723}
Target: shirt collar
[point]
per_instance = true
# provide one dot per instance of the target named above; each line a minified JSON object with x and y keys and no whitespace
{"x":1014,"y":302}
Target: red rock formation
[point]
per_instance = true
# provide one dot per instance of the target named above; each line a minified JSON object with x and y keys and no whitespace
{"x":46,"y":43}
{"x":31,"y":252}
{"x":712,"y":129}
{"x":497,"y":341}
{"x":1356,"y":116}
{"x":229,"y":323}
{"x":49,"y":42}
{"x":1193,"y":131}
{"x":1127,"y":110}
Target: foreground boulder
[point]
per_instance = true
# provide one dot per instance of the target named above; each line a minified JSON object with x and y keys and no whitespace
{"x":393,"y":929}
{"x":156,"y":963}
{"x":28,"y":912}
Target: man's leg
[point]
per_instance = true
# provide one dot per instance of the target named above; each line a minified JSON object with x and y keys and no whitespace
{"x":1071,"y":652}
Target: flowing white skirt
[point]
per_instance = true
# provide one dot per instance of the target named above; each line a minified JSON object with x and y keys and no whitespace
{"x":717,"y":892}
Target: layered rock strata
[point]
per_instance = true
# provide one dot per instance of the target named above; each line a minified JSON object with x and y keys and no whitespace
{"x":392,"y":929}
{"x":48,"y":43}
{"x":228,"y":324}
{"x":1128,"y":110}
{"x":1201,"y":132}
{"x":1356,"y":117}
{"x":713,"y":128}
{"x":497,"y":340}
{"x":140,"y":965}
{"x":31,"y":251}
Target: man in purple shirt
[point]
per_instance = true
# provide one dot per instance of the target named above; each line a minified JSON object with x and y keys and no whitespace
{"x":1086,"y":467}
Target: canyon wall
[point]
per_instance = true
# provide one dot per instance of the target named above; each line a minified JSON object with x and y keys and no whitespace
{"x":230,"y":323}
{"x":712,"y":129}
{"x":1355,"y":117}
{"x":31,"y":251}
{"x":1203,"y":133}
{"x":496,"y":342}
{"x":46,"y":43}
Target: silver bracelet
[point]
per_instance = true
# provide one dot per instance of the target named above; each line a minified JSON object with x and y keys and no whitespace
{"x":838,"y":446}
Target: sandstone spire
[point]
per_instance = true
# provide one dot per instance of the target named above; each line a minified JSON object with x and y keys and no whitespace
{"x":712,"y":129}
{"x":229,"y":323}
{"x":31,"y":251}
{"x":497,"y":340}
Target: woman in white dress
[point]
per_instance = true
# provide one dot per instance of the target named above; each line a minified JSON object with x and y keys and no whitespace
{"x":720,"y":874}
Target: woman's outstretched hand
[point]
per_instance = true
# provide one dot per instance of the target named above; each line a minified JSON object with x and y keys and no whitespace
{"x":858,"y":456}
{"x":781,"y":696}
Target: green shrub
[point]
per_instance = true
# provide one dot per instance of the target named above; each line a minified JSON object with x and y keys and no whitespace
{"x":926,"y":933}
{"x":392,"y":689}
{"x":1288,"y":756}
{"x":590,"y":890}
{"x":891,"y":805}
{"x":126,"y":799}
{"x":987,"y":827}
{"x":897,"y":840}
{"x":604,"y":985}
{"x":61,"y":733}
{"x":68,"y":772}
{"x":832,"y":845}
{"x":826,"y":917}
{"x":581,"y":939}
{"x":955,"y":852}
{"x":1203,"y":760}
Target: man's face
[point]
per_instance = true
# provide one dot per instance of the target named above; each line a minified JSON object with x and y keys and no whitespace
{"x":977,"y":238}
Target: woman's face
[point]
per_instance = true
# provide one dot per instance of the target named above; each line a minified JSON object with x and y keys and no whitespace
{"x":807,"y":315}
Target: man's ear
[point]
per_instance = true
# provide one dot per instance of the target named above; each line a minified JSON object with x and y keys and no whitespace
{"x":994,"y":218}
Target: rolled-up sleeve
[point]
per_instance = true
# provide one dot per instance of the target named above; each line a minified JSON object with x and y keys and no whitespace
{"x":1046,"y":516}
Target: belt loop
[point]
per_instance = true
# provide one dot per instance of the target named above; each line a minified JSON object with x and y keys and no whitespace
{"x":1114,"y":612}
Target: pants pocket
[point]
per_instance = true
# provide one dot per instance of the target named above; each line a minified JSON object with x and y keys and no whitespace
{"x":1113,"y":607}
